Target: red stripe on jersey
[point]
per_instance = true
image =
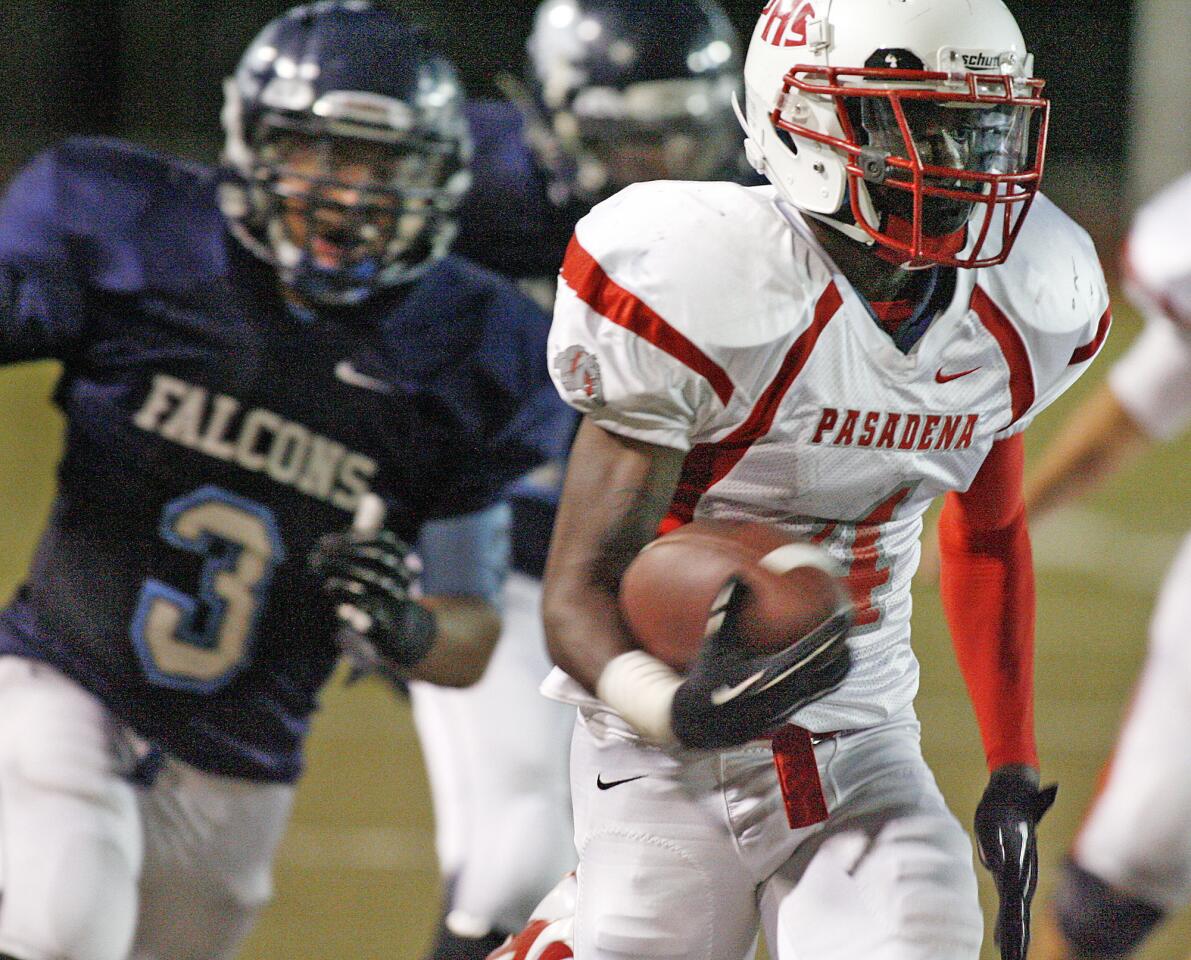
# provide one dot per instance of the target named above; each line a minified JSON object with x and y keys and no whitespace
{"x":708,"y":463}
{"x":605,"y":296}
{"x":1013,"y":348}
{"x":520,"y":946}
{"x":1089,"y":350}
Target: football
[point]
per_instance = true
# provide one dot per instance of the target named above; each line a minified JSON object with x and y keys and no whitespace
{"x":667,"y":592}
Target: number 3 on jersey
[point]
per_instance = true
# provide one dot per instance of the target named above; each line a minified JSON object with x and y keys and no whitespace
{"x":199,"y":643}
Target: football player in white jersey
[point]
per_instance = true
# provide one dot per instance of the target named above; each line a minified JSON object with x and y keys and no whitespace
{"x":1131,"y":861}
{"x":827,"y":354}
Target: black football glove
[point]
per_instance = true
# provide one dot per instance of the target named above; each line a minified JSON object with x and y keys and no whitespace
{"x":734,"y":694}
{"x":367,"y":579}
{"x":1006,"y":819}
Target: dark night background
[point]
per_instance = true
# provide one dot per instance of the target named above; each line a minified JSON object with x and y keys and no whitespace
{"x":152,"y":70}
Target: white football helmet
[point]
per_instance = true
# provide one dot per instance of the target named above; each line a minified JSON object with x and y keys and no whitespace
{"x":910,"y":115}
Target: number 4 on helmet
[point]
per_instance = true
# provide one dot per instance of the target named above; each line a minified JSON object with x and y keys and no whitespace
{"x":549,"y":935}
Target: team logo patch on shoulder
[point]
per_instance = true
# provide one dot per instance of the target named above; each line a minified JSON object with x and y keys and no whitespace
{"x":579,"y":372}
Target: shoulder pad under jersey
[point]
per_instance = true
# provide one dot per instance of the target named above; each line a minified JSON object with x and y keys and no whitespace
{"x":665,"y":288}
{"x":1053,"y":297}
{"x":130,"y":210}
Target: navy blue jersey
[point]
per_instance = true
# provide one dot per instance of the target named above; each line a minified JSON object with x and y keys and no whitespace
{"x":534,"y":502}
{"x":212,"y":437}
{"x":508,"y":221}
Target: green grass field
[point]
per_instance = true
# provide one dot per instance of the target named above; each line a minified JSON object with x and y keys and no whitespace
{"x":356,"y":876}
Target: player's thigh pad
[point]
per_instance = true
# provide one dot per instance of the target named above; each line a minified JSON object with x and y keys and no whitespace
{"x":209,"y":848}
{"x":70,"y":841}
{"x":1137,"y":836}
{"x":497,"y":756}
{"x":659,"y":872}
{"x":890,"y":875}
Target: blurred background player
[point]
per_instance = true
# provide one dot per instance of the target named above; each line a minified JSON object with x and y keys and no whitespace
{"x":1131,"y":862}
{"x":246,"y":354}
{"x":805,"y":354}
{"x":616,"y":91}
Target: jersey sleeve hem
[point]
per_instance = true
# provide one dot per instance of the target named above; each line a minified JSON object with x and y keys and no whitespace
{"x":673,"y":439}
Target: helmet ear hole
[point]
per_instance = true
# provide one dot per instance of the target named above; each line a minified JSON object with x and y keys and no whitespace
{"x":787,"y":139}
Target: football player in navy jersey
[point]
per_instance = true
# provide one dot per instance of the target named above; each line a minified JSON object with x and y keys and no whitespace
{"x":615,"y":91}
{"x":247,"y":355}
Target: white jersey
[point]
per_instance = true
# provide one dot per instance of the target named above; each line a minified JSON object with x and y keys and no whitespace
{"x":706,"y":317}
{"x":1153,"y":379}
{"x":1149,"y":779}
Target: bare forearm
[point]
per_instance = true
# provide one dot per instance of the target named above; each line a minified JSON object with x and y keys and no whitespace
{"x":584,"y":631}
{"x":616,"y":493}
{"x":584,"y":627}
{"x":1099,"y":439}
{"x":467,"y":631}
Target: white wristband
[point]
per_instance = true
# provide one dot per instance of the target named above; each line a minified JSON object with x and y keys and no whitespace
{"x":641,"y":688}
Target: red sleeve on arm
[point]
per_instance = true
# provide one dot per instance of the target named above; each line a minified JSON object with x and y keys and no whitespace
{"x":987,"y":585}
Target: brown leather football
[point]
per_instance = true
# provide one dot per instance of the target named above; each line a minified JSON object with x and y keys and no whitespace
{"x":667,"y":592}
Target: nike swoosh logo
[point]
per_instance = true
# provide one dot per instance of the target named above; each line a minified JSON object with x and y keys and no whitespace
{"x":609,"y":784}
{"x":941,"y":377}
{"x":801,"y":663}
{"x":721,"y":695}
{"x":346,"y":372}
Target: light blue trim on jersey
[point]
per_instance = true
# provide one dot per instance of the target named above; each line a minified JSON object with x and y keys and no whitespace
{"x":467,"y":556}
{"x":218,"y":555}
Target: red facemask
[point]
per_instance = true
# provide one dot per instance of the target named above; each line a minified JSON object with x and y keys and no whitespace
{"x":997,"y":198}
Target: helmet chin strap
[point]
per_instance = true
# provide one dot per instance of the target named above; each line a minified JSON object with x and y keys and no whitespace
{"x":853,"y":231}
{"x":850,"y":230}
{"x":935,"y":246}
{"x":846,"y":224}
{"x":898,"y":228}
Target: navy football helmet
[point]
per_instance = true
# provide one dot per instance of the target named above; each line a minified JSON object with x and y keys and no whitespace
{"x":633,"y":90}
{"x":349,"y":148}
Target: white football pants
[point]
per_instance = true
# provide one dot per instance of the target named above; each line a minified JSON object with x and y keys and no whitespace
{"x":94,"y":868}
{"x":1137,"y":836}
{"x":684,"y":854}
{"x":497,"y":759}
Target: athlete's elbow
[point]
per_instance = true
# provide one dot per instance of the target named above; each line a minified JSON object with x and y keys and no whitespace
{"x":556,"y":614}
{"x":566,"y":600}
